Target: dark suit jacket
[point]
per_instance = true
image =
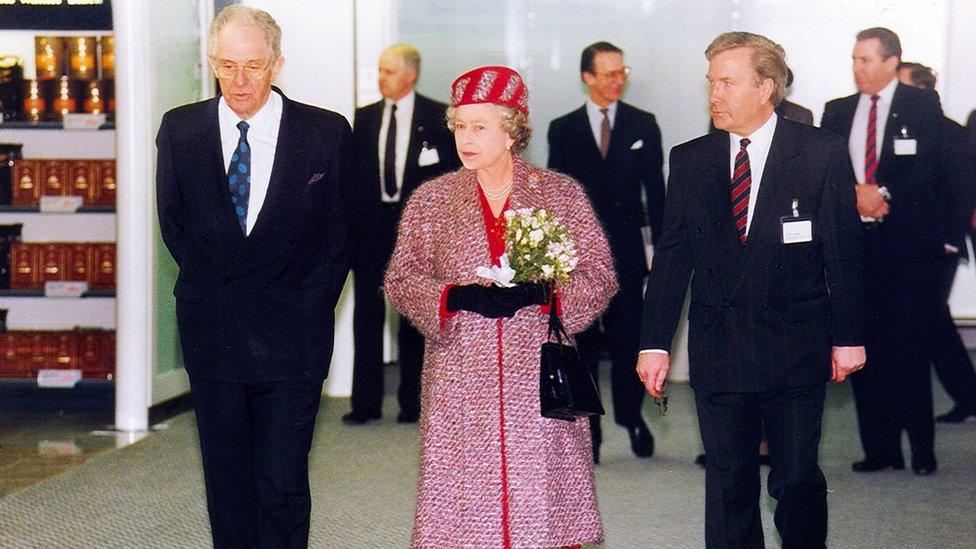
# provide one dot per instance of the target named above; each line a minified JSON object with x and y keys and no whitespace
{"x":797,"y":113}
{"x":914,"y":229}
{"x":762,"y":317}
{"x":614,"y":184}
{"x":258,"y":308}
{"x":429,"y":130}
{"x":959,"y":188}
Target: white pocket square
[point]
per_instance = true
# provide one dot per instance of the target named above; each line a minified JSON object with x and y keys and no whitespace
{"x":637,"y":145}
{"x":428,"y":157}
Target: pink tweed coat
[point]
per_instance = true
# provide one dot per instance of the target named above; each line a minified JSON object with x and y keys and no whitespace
{"x":494,"y":472}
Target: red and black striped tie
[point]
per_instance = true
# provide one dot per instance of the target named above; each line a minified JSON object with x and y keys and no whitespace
{"x":741,"y":184}
{"x":871,"y":143}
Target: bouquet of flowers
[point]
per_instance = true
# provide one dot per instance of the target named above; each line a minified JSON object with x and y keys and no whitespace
{"x":538,"y":246}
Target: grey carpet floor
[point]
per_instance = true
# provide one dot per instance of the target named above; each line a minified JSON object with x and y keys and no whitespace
{"x":363,"y":479}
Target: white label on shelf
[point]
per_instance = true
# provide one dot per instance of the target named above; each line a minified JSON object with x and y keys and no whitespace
{"x":79,"y":121}
{"x":64,"y":289}
{"x":61,"y":204}
{"x":59,"y":379}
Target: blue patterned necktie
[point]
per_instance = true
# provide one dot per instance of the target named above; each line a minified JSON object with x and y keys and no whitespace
{"x":239,"y":176}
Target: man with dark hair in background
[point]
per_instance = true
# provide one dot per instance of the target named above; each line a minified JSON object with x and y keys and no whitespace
{"x":401,"y":141}
{"x":614,"y":150}
{"x":896,"y":140}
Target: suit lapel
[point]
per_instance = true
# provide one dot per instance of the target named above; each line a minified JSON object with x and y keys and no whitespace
{"x":720,"y":181}
{"x":215,"y":181}
{"x":618,"y":141}
{"x":418,"y":139}
{"x":847,"y":115}
{"x":775,"y":182}
{"x":893,"y":124}
{"x":585,"y":133}
{"x":286,"y":172}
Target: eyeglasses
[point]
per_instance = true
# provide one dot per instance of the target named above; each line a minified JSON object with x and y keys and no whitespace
{"x":253,"y":70}
{"x":623,"y":74}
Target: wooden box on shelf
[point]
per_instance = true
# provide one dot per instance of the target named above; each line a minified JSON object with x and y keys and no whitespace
{"x":34,"y":263}
{"x":24,"y":353}
{"x":94,"y":180}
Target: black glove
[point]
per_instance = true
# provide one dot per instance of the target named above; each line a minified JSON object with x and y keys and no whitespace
{"x":494,"y":301}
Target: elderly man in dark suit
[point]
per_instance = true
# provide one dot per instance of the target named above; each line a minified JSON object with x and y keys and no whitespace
{"x":896,"y":141}
{"x":614,"y":150}
{"x":252,"y":197}
{"x":761,"y":219}
{"x":401,"y":141}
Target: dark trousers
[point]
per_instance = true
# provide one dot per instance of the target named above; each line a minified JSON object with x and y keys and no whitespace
{"x":254,"y":440}
{"x":949,"y":356}
{"x":618,"y":330}
{"x":368,"y":318}
{"x":731,"y":426}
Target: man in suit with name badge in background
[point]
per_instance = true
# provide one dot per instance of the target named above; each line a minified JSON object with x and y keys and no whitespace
{"x":401,"y":141}
{"x":896,"y":142}
{"x":252,"y":193}
{"x":614,"y":150}
{"x":761,"y":219}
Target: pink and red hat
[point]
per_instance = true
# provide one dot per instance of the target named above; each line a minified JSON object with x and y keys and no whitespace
{"x":496,"y":85}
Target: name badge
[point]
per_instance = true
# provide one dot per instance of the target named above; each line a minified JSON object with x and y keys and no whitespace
{"x":796,"y":228}
{"x":428,"y":157}
{"x":905,"y":147}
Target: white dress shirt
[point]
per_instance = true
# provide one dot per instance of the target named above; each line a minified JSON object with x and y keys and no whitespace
{"x":856,"y":143}
{"x":596,"y":117}
{"x":262,"y":137}
{"x":404,"y":119}
{"x":758,"y":149}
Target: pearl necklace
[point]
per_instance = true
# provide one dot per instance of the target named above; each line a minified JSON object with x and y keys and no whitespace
{"x":496,"y":194}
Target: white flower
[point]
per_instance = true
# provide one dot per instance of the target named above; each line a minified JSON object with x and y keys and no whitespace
{"x":501,"y":275}
{"x":548,"y":270}
{"x":536,"y":236}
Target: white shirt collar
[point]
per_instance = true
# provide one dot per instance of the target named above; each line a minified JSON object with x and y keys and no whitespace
{"x":264,"y":122}
{"x":886,"y":94}
{"x":762,"y":137}
{"x":593,"y":110}
{"x":404,"y":105}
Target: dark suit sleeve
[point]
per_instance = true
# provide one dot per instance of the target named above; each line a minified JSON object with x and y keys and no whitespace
{"x":672,"y":266}
{"x":340,"y":217}
{"x":169,"y":203}
{"x":841,"y":234}
{"x":557,"y":156}
{"x":654,"y":179}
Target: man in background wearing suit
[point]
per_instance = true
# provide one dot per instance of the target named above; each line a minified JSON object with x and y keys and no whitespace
{"x":614,"y":150}
{"x":896,"y":139}
{"x":401,"y":141}
{"x":950,"y":358}
{"x":760,"y":217}
{"x":252,"y":196}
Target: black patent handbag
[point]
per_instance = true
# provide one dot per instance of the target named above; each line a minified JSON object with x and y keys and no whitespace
{"x":566,"y":387}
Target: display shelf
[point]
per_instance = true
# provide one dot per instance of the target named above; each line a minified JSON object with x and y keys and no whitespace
{"x":9,"y":208}
{"x":40,"y":293}
{"x":81,"y":385}
{"x":47,"y":125}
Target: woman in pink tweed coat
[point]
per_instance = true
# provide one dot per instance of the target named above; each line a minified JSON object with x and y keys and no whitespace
{"x":494,"y":472}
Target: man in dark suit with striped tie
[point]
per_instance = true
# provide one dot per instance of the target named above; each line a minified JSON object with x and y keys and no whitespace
{"x":760,"y":216}
{"x":896,"y":140}
{"x":614,"y":150}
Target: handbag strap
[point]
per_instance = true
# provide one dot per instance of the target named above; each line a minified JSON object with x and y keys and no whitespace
{"x":556,"y":329}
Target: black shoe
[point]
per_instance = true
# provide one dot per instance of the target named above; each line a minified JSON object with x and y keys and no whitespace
{"x":408,"y":416}
{"x":596,"y":438}
{"x":872,"y":466}
{"x":956,"y":415}
{"x":700,"y":460}
{"x":359,"y":418}
{"x":641,"y":440}
{"x":924,"y":468}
